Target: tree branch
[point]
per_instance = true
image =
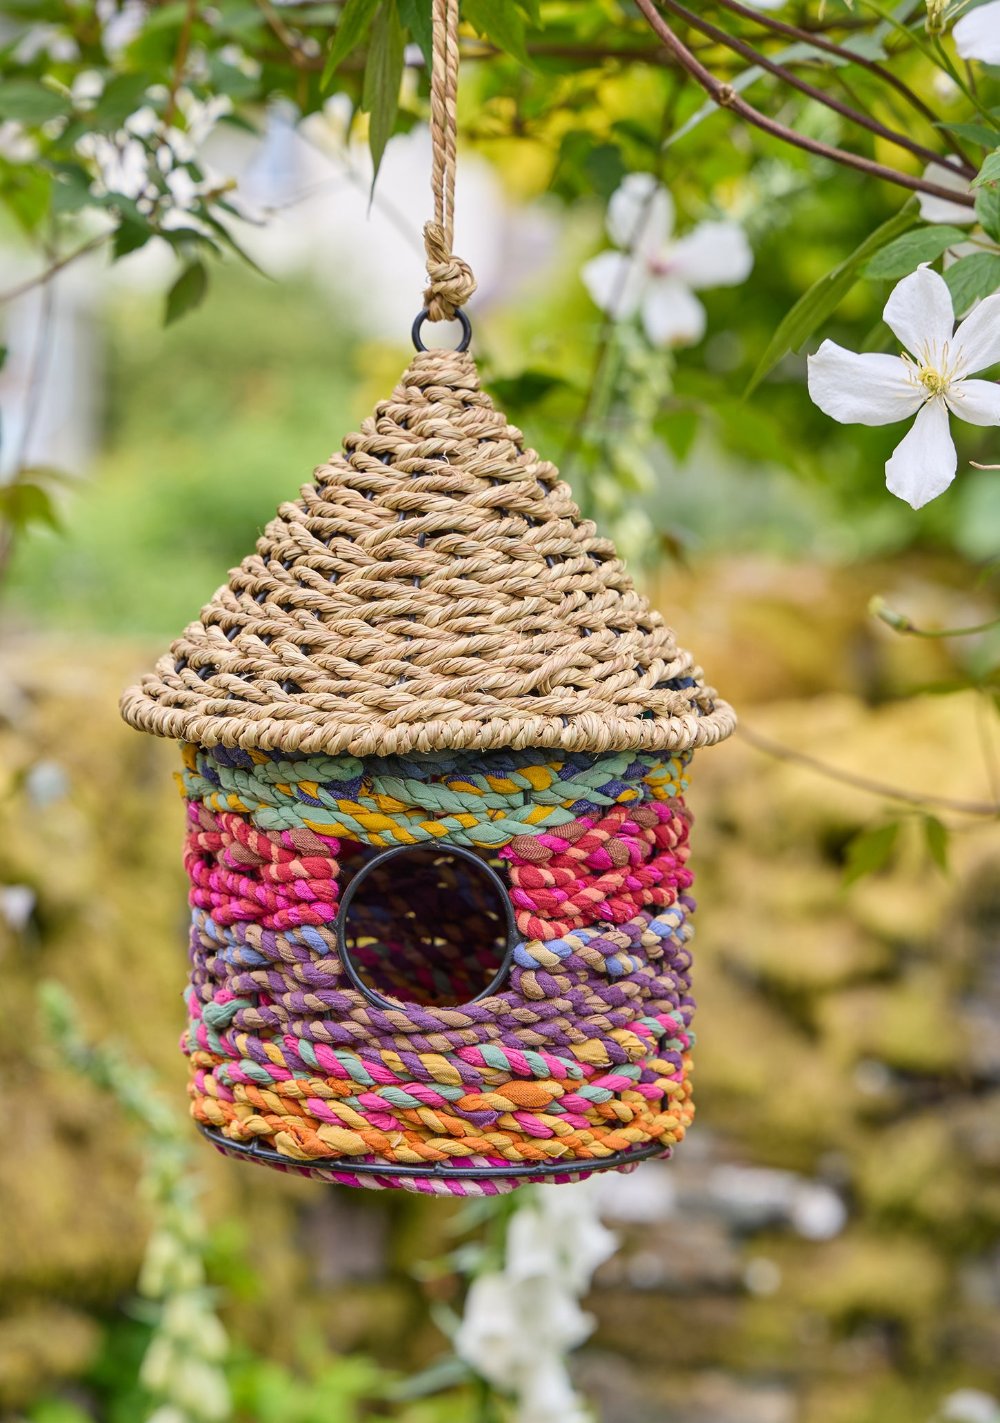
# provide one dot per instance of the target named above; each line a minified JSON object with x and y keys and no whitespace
{"x":54,"y":268}
{"x":753,"y":56}
{"x":180,"y":61}
{"x":727,"y":98}
{"x":887,"y":76}
{"x":990,"y":809}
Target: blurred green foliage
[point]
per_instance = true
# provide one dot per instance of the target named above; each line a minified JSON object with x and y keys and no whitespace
{"x":209,"y":425}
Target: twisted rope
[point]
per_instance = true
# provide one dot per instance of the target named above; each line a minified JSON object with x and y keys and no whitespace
{"x":581,"y":1056}
{"x":450,"y":282}
{"x":435,"y":588}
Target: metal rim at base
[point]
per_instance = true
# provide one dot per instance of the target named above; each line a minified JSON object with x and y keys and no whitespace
{"x":253,"y":1151}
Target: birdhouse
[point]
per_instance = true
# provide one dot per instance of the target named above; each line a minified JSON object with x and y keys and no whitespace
{"x":435,"y":747}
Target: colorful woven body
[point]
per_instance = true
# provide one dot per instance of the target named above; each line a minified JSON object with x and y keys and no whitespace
{"x":579,"y":1058}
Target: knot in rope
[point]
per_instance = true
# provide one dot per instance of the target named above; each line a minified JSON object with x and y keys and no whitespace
{"x":450,"y":282}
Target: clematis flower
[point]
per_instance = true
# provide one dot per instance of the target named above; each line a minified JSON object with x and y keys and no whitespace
{"x":657,"y":275}
{"x":934,"y":209}
{"x":931,"y":382}
{"x":977,"y":34}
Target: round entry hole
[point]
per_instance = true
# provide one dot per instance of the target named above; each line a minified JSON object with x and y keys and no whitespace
{"x":427,"y":925}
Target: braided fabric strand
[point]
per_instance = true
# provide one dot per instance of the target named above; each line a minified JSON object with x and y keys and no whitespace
{"x":580,"y":1057}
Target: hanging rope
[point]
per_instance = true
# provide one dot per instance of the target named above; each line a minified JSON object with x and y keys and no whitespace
{"x":450,"y":282}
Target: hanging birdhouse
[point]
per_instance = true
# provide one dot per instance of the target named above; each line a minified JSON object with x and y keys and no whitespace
{"x":435,"y":747}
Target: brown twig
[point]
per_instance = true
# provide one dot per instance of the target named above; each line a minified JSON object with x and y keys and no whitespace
{"x":41,"y":278}
{"x":781,"y":752}
{"x":819,"y":96}
{"x":727,"y":98}
{"x":290,"y":42}
{"x":887,"y":76}
{"x":180,"y":61}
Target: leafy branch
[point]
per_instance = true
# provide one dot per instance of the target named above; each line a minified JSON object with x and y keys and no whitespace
{"x":726,"y":97}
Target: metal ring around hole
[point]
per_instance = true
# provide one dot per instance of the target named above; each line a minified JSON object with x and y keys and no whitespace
{"x":460,"y":317}
{"x":459,"y":852}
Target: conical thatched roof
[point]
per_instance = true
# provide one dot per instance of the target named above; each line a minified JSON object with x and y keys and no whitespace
{"x":434,"y":587}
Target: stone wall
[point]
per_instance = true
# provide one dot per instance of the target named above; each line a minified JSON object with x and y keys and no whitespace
{"x":826,"y":1246}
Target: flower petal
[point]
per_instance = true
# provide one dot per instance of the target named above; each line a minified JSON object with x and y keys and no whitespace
{"x":672,"y":314}
{"x":977,"y":341}
{"x":863,"y":390}
{"x":977,"y":402}
{"x":715,"y":254}
{"x":977,"y":34}
{"x":934,"y":209}
{"x":615,"y":282}
{"x":640,"y":214}
{"x":920,"y":313}
{"x":924,"y":462}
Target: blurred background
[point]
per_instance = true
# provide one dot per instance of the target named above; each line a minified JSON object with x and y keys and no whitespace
{"x":825,"y":1248}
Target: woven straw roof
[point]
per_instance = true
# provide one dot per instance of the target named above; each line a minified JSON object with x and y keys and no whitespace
{"x":434,"y":587}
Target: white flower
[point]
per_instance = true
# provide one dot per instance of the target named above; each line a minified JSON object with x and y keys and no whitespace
{"x":144,"y":122}
{"x":559,"y":1236}
{"x":17,"y":904}
{"x":121,"y":167}
{"x":971,"y":1405}
{"x":547,"y":1395}
{"x":520,"y":1323}
{"x":929,"y":383}
{"x":199,"y":117}
{"x":16,"y":145}
{"x":977,"y":34}
{"x":489,"y":1335}
{"x":49,"y":40}
{"x":87,"y":88}
{"x":120,"y":25}
{"x":657,"y":275}
{"x":934,"y":209}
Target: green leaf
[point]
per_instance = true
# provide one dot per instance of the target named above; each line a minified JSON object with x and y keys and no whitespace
{"x":383,"y":72}
{"x":31,"y":103}
{"x":923,"y":244}
{"x":53,"y":1410}
{"x":415,"y":16}
{"x":231,"y":242}
{"x":27,"y":190}
{"x":355,"y":19}
{"x":528,"y":387}
{"x":129,"y":237}
{"x":973,"y":133}
{"x":23,"y":503}
{"x":988,"y":211}
{"x":822,"y":299}
{"x":187,"y":292}
{"x":188,"y":239}
{"x":604,"y":167}
{"x":533,"y":10}
{"x":501,"y":22}
{"x":937,"y":838}
{"x":989,"y":172}
{"x":121,"y":97}
{"x":680,"y":430}
{"x":71,"y":187}
{"x":973,"y":278}
{"x":869,"y":851}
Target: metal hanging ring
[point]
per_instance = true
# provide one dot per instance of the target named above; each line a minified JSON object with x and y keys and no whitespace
{"x":460,"y":317}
